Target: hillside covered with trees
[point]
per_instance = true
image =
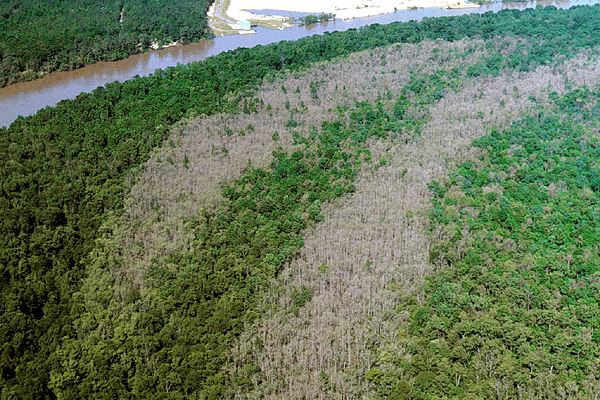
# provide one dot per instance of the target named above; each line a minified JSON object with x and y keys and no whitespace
{"x":403,"y":211}
{"x":38,"y":37}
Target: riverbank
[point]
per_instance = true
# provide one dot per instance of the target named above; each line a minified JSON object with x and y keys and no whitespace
{"x":26,"y":98}
{"x":39,"y":38}
{"x":236,"y":16}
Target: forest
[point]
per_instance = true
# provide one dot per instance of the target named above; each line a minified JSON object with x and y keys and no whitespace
{"x":38,"y":37}
{"x":514,"y":309}
{"x":197,"y":232}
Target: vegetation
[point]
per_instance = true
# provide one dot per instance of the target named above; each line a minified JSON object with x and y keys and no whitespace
{"x":63,"y":172}
{"x":39,"y":37}
{"x":513,"y":311}
{"x":313,"y":19}
{"x":237,"y":251}
{"x":372,"y":247}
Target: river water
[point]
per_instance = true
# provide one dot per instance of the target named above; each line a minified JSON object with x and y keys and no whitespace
{"x":28,"y":97}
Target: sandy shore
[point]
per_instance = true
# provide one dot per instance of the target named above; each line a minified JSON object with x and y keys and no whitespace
{"x":345,"y":9}
{"x":225,"y":15}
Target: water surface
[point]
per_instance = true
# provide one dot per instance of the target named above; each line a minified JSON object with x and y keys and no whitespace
{"x":26,"y":98}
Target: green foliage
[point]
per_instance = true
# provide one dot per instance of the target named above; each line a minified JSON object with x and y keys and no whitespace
{"x":313,"y":19}
{"x":300,"y":297}
{"x":63,"y":170}
{"x":515,"y":309}
{"x":45,"y":36}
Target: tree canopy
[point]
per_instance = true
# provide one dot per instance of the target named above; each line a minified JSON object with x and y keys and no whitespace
{"x":64,"y":170}
{"x":40,"y":37}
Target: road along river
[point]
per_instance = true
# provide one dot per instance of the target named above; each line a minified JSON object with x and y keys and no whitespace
{"x":28,"y":97}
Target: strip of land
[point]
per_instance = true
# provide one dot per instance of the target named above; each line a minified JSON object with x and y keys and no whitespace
{"x":225,"y":15}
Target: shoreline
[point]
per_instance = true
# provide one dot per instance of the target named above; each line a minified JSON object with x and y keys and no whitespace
{"x":237,"y":16}
{"x":28,"y":97}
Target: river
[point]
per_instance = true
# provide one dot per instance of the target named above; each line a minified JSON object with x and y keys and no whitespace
{"x":27,"y":98}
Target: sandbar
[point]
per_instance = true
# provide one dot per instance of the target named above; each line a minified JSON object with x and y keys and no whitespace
{"x":273,"y":13}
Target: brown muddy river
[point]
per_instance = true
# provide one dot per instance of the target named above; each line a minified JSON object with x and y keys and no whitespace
{"x":28,"y":97}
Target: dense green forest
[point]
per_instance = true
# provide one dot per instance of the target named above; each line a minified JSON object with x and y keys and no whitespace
{"x":64,"y":172}
{"x":37,"y":37}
